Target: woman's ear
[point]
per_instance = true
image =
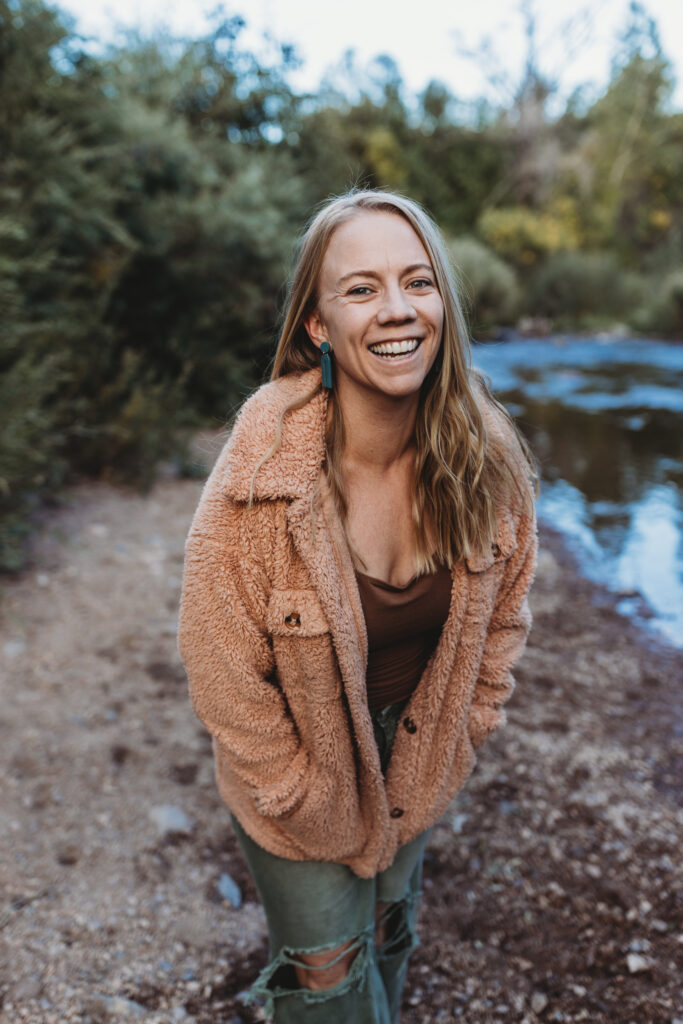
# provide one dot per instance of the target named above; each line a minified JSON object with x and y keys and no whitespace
{"x":315,"y":329}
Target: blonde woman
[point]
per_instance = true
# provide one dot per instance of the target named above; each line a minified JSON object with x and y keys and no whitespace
{"x":354,"y":598}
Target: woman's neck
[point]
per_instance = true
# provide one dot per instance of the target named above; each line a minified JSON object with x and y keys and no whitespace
{"x":379,"y":432}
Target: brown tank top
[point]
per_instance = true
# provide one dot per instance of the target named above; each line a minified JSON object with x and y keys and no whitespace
{"x":404,"y":625}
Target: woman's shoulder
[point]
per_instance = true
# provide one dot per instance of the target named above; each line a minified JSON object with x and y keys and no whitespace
{"x":501,"y":432}
{"x":256,"y":428}
{"x":509,"y":451}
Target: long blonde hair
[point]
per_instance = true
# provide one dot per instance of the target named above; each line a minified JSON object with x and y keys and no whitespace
{"x":459,"y":470}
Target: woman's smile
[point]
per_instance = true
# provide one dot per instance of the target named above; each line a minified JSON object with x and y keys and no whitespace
{"x":394,"y":350}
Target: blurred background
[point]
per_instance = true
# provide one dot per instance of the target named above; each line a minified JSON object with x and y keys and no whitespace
{"x":159,"y":161}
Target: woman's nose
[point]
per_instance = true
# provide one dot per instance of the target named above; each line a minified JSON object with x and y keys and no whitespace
{"x":395,"y":306}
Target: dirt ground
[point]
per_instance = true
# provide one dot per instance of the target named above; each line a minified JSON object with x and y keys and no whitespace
{"x":552,"y":887}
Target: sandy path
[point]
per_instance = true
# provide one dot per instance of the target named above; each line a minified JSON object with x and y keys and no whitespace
{"x":550,"y":887}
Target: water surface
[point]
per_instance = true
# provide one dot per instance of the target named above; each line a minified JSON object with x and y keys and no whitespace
{"x":605,"y":419}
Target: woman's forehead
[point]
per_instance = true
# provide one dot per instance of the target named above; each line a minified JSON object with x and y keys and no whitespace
{"x":371,"y":239}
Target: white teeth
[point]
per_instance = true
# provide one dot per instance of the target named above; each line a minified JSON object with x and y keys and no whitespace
{"x":395,"y":348}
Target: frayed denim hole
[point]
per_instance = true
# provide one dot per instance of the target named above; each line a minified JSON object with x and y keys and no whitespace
{"x":401,"y":937}
{"x":278,"y":978}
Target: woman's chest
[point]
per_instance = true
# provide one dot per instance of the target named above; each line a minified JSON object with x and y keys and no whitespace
{"x":381,"y":532}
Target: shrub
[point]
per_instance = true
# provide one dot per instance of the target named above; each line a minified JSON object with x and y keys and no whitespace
{"x":488,"y":284}
{"x":578,"y":285}
{"x":664,"y":313}
{"x":524,"y":236}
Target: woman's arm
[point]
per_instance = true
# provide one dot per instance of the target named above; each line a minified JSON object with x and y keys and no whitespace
{"x":228,"y":655}
{"x":508,"y":629}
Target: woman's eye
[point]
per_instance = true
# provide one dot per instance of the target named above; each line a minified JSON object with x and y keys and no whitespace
{"x":421,"y":282}
{"x":361,"y":289}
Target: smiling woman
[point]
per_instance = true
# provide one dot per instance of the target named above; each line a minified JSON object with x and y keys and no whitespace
{"x":354,"y":598}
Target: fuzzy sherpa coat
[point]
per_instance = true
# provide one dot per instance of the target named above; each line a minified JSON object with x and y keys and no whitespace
{"x":273,"y":638}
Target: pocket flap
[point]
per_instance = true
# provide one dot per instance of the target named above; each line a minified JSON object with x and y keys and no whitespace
{"x":502,"y":547}
{"x":295,"y":613}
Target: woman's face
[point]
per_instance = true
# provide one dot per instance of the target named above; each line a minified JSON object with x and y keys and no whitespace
{"x":378,"y":306}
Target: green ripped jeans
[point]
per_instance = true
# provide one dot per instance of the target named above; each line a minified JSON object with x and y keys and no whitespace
{"x":313,"y":906}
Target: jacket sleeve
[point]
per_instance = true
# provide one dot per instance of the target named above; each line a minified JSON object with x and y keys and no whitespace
{"x":228,"y":655}
{"x":507,"y":632}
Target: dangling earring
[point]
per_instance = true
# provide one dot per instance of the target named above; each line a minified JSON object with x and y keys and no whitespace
{"x":326,"y":364}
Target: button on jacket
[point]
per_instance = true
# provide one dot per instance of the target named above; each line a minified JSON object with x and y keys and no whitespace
{"x":273,"y":639}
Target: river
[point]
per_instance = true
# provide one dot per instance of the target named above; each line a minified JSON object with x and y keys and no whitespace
{"x":605,"y":419}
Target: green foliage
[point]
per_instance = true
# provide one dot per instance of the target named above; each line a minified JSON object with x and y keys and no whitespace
{"x":575,"y":286}
{"x":489,"y":285}
{"x":662,"y":311}
{"x":525,"y":237}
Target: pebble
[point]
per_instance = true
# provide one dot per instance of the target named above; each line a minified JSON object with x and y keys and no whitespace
{"x":168,"y":818}
{"x":13,"y":648}
{"x":637,"y":963}
{"x":539,"y":1001}
{"x":230,"y":890}
{"x":117,"y":1008}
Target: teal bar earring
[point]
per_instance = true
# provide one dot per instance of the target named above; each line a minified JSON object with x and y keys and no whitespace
{"x":326,"y":364}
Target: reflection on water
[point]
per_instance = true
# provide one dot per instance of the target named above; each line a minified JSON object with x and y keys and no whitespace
{"x":605,"y":420}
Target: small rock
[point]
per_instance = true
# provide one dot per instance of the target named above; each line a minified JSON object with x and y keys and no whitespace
{"x":637,"y":963}
{"x":168,"y":818}
{"x":116,"y":1008}
{"x":42,"y":579}
{"x":68,"y":854}
{"x":28,"y":988}
{"x":594,"y":870}
{"x":99,"y":530}
{"x":229,"y":890}
{"x":13,"y":648}
{"x":539,"y":1001}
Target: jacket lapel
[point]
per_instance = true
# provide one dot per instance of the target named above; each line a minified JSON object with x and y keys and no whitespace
{"x":321,"y":545}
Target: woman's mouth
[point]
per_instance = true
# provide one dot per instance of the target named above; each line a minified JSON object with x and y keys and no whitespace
{"x":395,"y":349}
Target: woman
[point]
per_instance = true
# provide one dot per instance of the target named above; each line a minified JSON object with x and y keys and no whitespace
{"x":354,"y":597}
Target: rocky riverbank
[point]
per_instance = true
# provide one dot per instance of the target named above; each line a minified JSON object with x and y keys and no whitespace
{"x":550,"y":886}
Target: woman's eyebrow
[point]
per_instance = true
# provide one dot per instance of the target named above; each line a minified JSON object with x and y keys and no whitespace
{"x":373,"y":273}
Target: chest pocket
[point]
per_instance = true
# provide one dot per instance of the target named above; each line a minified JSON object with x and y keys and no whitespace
{"x":302,"y":644}
{"x":500,"y":550}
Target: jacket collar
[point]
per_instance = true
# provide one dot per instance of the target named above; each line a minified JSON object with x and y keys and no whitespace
{"x":292,"y":471}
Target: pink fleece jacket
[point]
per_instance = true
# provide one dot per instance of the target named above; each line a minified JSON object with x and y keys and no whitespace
{"x":273,"y":638}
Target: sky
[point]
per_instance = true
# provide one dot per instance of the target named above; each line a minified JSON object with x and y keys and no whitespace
{"x":427,"y":38}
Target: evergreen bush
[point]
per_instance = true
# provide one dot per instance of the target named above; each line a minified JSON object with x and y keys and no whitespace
{"x":489,"y":286}
{"x":574,"y":287}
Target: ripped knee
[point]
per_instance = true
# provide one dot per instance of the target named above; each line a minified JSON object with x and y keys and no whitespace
{"x":326,"y":968}
{"x":314,"y":974}
{"x":393,"y":927}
